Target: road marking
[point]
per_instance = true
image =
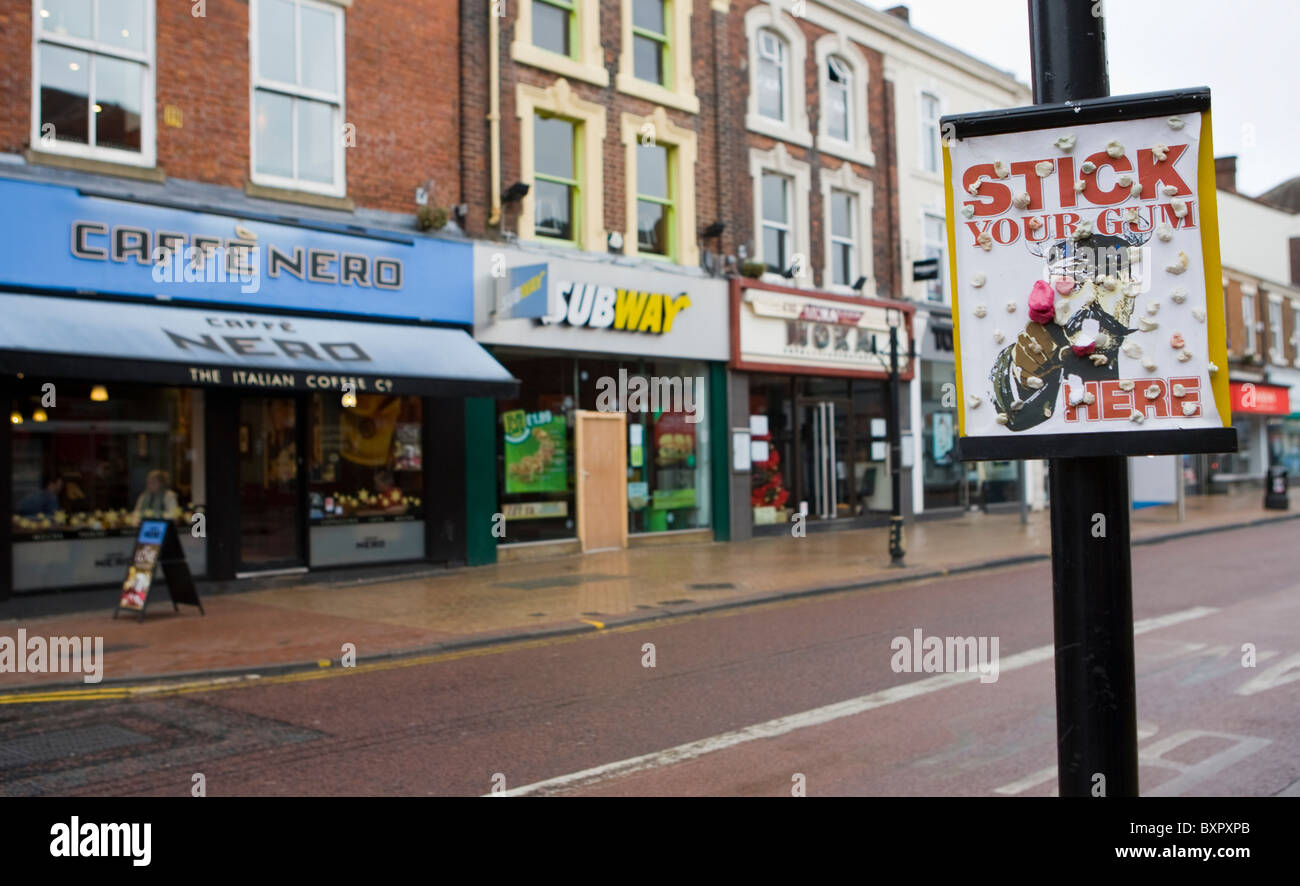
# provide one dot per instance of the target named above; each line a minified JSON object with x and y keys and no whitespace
{"x":815,"y":717}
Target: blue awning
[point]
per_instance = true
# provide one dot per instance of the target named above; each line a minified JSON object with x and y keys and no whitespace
{"x":45,"y":336}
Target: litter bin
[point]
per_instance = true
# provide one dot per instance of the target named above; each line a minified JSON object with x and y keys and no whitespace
{"x":1275,"y":496}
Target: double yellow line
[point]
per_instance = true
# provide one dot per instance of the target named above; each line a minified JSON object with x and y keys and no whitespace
{"x":326,"y":668}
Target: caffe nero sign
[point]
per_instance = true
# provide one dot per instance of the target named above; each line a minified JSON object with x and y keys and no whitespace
{"x":58,"y":238}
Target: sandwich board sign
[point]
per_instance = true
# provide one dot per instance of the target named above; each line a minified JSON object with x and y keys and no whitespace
{"x":156,"y":545}
{"x":1087,"y":293}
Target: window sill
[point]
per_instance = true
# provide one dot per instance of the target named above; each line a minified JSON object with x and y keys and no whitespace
{"x":307,"y":198}
{"x":926,"y":175}
{"x":102,"y":167}
{"x":763,"y":126}
{"x":528,"y":54}
{"x":656,"y":94}
{"x":845,"y":151}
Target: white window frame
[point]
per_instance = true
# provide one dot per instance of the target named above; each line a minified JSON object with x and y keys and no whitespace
{"x":929,"y":133}
{"x":1248,"y":321}
{"x":794,"y":128}
{"x":858,"y":146}
{"x":942,"y":242}
{"x":1277,"y":344}
{"x":337,"y":188}
{"x":779,"y":162}
{"x":147,"y":157}
{"x":862,"y":191}
{"x":1295,"y":329}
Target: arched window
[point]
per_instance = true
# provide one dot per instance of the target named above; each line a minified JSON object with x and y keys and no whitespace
{"x":838,"y":103}
{"x":773,"y":69}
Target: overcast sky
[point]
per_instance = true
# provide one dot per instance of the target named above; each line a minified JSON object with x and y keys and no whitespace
{"x":1245,"y":51}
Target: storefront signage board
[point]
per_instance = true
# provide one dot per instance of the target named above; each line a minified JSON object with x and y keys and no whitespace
{"x":57,"y":237}
{"x":784,"y":330}
{"x":604,"y":307}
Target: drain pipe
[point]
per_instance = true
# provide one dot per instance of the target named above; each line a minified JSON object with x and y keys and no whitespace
{"x":494,"y":113}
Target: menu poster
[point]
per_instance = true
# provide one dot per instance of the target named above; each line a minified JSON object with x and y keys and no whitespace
{"x":536,"y":451}
{"x":139,"y":575}
{"x":157,"y":544}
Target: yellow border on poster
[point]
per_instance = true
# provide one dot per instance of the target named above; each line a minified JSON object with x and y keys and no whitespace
{"x":1215,"y":317}
{"x":950,"y":212}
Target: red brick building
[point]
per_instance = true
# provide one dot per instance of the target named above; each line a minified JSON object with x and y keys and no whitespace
{"x":188,"y":85}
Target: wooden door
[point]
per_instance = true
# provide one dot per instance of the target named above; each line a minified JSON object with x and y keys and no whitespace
{"x":602,"y":480}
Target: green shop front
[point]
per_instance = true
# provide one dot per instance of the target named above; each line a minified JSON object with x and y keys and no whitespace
{"x":588,"y":338}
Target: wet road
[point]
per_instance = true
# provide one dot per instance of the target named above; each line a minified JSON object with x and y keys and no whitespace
{"x":761,"y":700}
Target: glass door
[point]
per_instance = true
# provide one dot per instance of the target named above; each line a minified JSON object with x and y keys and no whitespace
{"x":271,"y":506}
{"x":826,"y":481}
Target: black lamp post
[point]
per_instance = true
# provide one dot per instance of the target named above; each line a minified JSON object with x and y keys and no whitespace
{"x":894,"y":317}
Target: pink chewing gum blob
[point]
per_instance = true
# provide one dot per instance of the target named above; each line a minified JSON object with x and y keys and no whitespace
{"x":1042,"y":307}
{"x":1063,"y":285}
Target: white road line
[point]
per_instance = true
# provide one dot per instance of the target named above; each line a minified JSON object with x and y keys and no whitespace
{"x":815,"y":717}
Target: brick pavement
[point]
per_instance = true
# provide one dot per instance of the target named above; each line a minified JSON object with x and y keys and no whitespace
{"x":310,"y":622}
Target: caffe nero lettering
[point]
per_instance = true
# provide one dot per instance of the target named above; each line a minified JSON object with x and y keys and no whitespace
{"x":98,"y":241}
{"x":266,"y":345}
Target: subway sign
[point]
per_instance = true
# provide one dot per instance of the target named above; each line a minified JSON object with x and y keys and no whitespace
{"x":623,"y":310}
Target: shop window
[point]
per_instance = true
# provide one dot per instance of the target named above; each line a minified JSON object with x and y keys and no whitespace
{"x":654,"y":203}
{"x":929,"y":136}
{"x":366,"y":460}
{"x":297,"y":60}
{"x":776,"y":222}
{"x":89,"y":462}
{"x":943,"y":477}
{"x":536,"y":456}
{"x":94,"y":70}
{"x":555,"y":176}
{"x":667,"y":439}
